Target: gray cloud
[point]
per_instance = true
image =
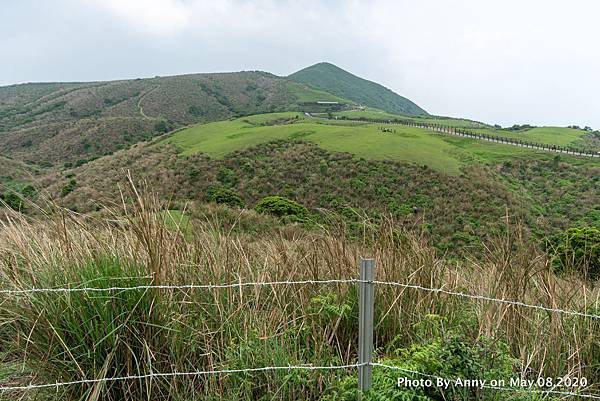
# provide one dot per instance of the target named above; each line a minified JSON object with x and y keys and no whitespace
{"x":502,"y":61}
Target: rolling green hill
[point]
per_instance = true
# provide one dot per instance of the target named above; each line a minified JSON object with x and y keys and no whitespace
{"x":247,"y":131}
{"x":179,"y":180}
{"x":333,"y":79}
{"x":408,"y":144}
{"x":561,"y":136}
{"x":459,"y":187}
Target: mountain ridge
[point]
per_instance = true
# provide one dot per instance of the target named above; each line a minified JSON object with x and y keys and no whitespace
{"x":337,"y":81}
{"x":55,"y":123}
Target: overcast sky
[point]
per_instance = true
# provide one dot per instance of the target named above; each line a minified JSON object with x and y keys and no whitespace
{"x":498,"y":61}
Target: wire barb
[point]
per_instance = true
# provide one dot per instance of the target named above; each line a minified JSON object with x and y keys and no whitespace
{"x":298,"y":282}
{"x":486,"y":298}
{"x":172,"y":287}
{"x":177,"y":374}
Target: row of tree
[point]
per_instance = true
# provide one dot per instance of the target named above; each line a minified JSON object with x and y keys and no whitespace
{"x":478,"y":135}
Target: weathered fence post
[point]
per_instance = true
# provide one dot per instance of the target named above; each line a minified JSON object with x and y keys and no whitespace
{"x":366,"y":310}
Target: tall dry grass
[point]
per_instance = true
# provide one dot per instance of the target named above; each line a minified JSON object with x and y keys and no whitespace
{"x":62,"y":337}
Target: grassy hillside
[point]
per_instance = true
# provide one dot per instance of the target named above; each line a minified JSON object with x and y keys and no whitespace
{"x":455,"y":212}
{"x":16,"y":179}
{"x":461,"y":187}
{"x":134,"y":202}
{"x":305,"y":94}
{"x":409,"y":144}
{"x":371,"y":113}
{"x":11,"y":169}
{"x":561,"y":136}
{"x":549,"y":135}
{"x":333,"y":79}
{"x":51,"y":124}
{"x":443,"y":153}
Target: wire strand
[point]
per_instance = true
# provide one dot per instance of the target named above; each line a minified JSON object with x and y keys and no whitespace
{"x":178,"y":374}
{"x":173,"y":287}
{"x":299,"y":282}
{"x":486,"y":298}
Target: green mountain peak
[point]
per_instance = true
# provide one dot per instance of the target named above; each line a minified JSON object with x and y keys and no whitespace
{"x":337,"y":81}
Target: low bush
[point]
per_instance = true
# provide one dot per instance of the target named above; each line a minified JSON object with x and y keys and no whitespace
{"x":449,"y":355}
{"x":227,"y":177}
{"x":12,"y":200}
{"x":282,"y":207}
{"x":224,"y":196}
{"x":68,"y":187}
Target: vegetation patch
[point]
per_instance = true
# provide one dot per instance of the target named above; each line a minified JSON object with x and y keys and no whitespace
{"x":282,"y":207}
{"x":224,"y":196}
{"x":578,"y":249}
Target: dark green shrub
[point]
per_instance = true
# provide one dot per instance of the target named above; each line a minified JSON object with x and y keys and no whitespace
{"x":224,"y":196}
{"x":162,"y":126}
{"x":68,"y":187}
{"x":195,"y":111}
{"x":45,"y":164}
{"x":193,"y":173}
{"x":227,"y":177}
{"x":28,"y":191}
{"x":12,"y":200}
{"x":450,"y":355}
{"x":282,"y":207}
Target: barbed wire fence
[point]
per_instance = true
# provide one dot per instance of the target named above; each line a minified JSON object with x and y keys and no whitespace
{"x":364,"y":365}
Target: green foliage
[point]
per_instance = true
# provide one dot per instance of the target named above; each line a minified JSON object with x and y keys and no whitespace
{"x":162,"y":126}
{"x":92,"y":334}
{"x":282,"y":207}
{"x":287,"y":348}
{"x":16,"y":196}
{"x":329,"y":308}
{"x":196,"y":111}
{"x":578,"y":249}
{"x":12,"y":200}
{"x":224,"y":196}
{"x":446,"y":354}
{"x":332,"y":79}
{"x":68,"y":187}
{"x":227,"y":177}
{"x":29,"y":191}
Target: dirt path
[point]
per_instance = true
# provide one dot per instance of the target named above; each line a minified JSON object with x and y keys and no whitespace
{"x":139,"y":103}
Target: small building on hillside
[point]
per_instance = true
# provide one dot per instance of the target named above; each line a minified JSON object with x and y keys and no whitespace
{"x":321,"y":106}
